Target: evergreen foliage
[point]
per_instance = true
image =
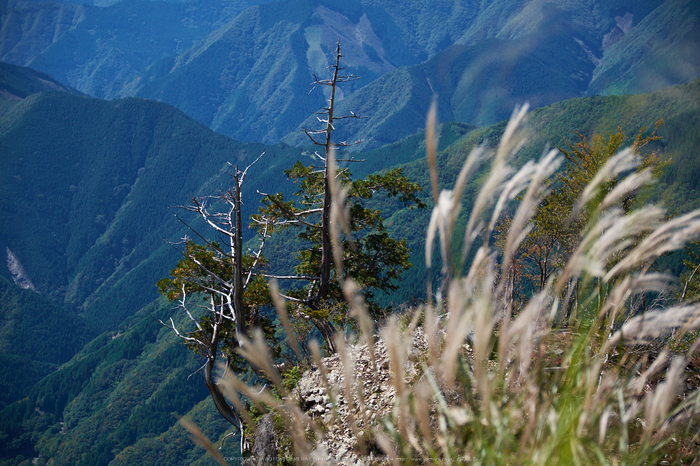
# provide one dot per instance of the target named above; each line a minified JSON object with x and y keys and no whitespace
{"x":36,"y":336}
{"x":121,"y":387}
{"x":375,"y":259}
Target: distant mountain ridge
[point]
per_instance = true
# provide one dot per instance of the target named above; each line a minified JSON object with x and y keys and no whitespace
{"x":17,"y":82}
{"x":244,"y":68}
{"x":97,"y":48}
{"x":251,"y":78}
{"x":478,"y":84}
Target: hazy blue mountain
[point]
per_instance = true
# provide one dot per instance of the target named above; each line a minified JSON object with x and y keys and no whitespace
{"x":17,"y":82}
{"x":95,"y":49}
{"x":251,"y":78}
{"x":637,"y":46}
{"x":662,"y":49}
{"x":245,"y":69}
{"x":477,"y":84}
{"x":541,"y":55}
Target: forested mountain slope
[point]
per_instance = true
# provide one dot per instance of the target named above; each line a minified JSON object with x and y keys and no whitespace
{"x":36,"y":336}
{"x":89,"y":183}
{"x":251,"y":78}
{"x":17,"y":82}
{"x":661,"y":50}
{"x":122,"y":387}
{"x":97,"y":48}
{"x":245,"y":69}
{"x":477,"y":84}
{"x":87,"y":187}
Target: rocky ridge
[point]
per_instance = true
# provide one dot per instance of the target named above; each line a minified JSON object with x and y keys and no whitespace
{"x":349,"y":422}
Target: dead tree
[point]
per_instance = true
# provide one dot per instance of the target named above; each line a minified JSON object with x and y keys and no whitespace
{"x":375,"y":260}
{"x":286,"y":215}
{"x":328,"y":145}
{"x":216,"y":276}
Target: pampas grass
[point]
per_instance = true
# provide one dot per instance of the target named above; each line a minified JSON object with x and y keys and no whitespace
{"x":499,"y":385}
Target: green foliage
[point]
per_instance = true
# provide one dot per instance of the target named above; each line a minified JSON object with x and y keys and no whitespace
{"x":556,"y":232}
{"x":375,"y":260}
{"x":475,"y":382}
{"x":291,"y":377}
{"x":120,"y":389}
{"x":690,"y":278}
{"x":515,"y":387}
{"x":197,"y":274}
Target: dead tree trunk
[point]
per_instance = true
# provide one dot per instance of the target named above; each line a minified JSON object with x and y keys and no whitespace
{"x":220,"y":274}
{"x":326,"y":327}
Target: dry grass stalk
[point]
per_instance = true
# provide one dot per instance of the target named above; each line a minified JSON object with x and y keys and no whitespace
{"x":202,"y":440}
{"x":499,"y":387}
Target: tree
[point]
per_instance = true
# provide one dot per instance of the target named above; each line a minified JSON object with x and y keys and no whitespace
{"x":221,"y":280}
{"x":222,"y":290}
{"x":689,"y":277}
{"x":560,"y":220}
{"x":374,"y":259}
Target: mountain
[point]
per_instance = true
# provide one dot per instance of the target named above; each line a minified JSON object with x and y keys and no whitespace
{"x":245,"y":68}
{"x":87,"y":186}
{"x":17,"y":82}
{"x":251,"y":78}
{"x":37,"y":335}
{"x":477,"y":84}
{"x":542,"y":57}
{"x":122,"y":387}
{"x":660,"y":50}
{"x":91,"y":182}
{"x":95,"y":49}
{"x":677,"y":190}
